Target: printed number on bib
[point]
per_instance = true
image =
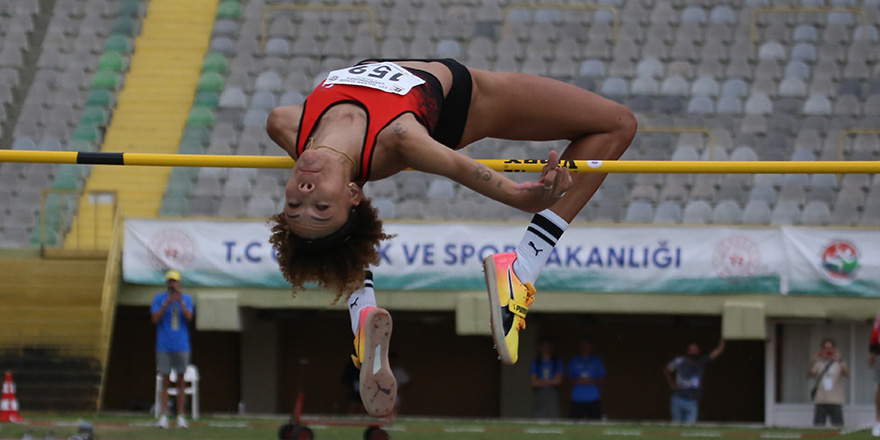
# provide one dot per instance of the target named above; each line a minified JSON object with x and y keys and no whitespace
{"x":387,"y":77}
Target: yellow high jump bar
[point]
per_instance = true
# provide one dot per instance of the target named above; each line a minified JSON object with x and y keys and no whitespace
{"x":503,"y":165}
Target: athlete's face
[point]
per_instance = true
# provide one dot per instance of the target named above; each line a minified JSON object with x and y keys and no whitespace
{"x":319,"y":195}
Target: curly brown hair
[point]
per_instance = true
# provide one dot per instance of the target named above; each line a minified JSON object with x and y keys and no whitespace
{"x":340,"y":268}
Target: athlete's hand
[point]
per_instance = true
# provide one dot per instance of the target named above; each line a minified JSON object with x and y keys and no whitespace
{"x":554,"y":181}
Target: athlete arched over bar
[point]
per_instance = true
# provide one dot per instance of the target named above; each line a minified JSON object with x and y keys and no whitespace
{"x":375,"y":119}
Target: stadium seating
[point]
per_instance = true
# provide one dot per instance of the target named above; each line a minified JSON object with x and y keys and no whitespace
{"x":791,"y":94}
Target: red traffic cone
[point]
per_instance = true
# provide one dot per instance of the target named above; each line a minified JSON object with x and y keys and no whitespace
{"x":8,"y":401}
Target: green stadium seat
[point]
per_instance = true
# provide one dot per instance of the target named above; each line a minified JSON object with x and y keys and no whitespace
{"x":188,"y":173}
{"x":191,"y":147}
{"x":80,"y":145}
{"x":94,"y":115}
{"x":87,"y":132}
{"x":100,"y":98}
{"x":207,"y":98}
{"x":129,"y":8}
{"x":174,"y":206}
{"x":119,"y":43}
{"x":211,"y":81}
{"x":178,"y":186}
{"x":123,"y":25}
{"x":229,"y":10}
{"x":215,"y":62}
{"x":201,"y":116}
{"x":197,"y":134}
{"x":112,"y":60}
{"x":65,"y":181}
{"x":51,"y":237}
{"x":78,"y":171}
{"x":106,"y":80}
{"x":52,"y":216}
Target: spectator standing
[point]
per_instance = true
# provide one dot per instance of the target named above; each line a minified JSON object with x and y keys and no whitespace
{"x":546,"y":375}
{"x":687,"y":381}
{"x":586,"y":372}
{"x":828,"y":392}
{"x":171,"y":312}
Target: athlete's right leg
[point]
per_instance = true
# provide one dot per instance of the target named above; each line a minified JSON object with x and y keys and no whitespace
{"x":372,"y":326}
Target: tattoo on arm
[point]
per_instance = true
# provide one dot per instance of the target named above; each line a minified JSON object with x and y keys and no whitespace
{"x":482,"y":172}
{"x":398,"y":130}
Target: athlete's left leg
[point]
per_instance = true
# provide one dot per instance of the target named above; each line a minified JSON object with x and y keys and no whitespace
{"x":527,"y":107}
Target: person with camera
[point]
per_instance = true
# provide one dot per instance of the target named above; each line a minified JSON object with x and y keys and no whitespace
{"x":171,"y":312}
{"x":828,"y":391}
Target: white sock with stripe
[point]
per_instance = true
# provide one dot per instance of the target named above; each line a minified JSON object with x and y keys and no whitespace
{"x":365,"y":297}
{"x":534,"y":248}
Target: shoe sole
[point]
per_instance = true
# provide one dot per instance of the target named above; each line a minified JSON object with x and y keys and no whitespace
{"x":377,"y":384}
{"x":495,"y":320}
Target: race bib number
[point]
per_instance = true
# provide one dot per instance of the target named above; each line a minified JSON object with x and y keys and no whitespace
{"x":387,"y":77}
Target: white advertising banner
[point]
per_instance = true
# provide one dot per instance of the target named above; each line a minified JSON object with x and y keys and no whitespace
{"x":448,"y":256}
{"x":833,"y":262}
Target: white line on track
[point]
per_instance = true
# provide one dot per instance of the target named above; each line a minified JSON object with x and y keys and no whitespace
{"x":701,"y":434}
{"x":780,"y":435}
{"x":624,"y":432}
{"x":464,"y":429}
{"x":544,"y":431}
{"x":228,"y":424}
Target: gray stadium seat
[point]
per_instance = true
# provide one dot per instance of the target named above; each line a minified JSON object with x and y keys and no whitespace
{"x":756,"y":212}
{"x":668,"y":212}
{"x":705,"y":86}
{"x":674,"y":86}
{"x":758,"y":104}
{"x":260,"y":205}
{"x":722,"y":14}
{"x":792,"y":87}
{"x":696,"y":212}
{"x":846,"y":214}
{"x":805,"y":33}
{"x":771,"y":50}
{"x":263,"y":99}
{"x":701,"y":105}
{"x":232,"y":97}
{"x":785,"y":213}
{"x":727,"y":212}
{"x":639,"y":212}
{"x":816,"y":213}
{"x":268,"y":81}
{"x":817,"y":105}
{"x":734,"y":87}
{"x":730,"y":105}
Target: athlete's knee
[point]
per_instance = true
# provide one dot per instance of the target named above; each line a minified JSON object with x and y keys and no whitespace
{"x":627,"y":124}
{"x":281,"y":120}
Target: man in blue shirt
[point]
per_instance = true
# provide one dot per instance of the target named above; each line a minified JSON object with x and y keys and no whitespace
{"x":586,"y":373}
{"x":546,"y":376}
{"x":686,"y":386}
{"x":171,"y":312}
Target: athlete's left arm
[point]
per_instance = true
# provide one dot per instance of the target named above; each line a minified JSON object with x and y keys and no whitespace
{"x":283,"y":127}
{"x":420,"y":152}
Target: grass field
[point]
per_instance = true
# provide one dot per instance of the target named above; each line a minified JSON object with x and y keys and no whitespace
{"x":112,"y":427}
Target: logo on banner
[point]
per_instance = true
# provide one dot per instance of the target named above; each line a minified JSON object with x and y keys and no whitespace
{"x":171,"y":249}
{"x":840,"y":259}
{"x":736,"y":259}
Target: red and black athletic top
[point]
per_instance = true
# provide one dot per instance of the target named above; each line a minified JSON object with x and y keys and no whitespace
{"x":423,"y":101}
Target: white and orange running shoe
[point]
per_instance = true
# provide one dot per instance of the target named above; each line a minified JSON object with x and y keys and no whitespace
{"x":378,"y":387}
{"x":509,"y":302}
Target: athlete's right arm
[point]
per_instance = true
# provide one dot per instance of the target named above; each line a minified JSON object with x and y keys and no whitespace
{"x":418,"y":151}
{"x":283,"y":126}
